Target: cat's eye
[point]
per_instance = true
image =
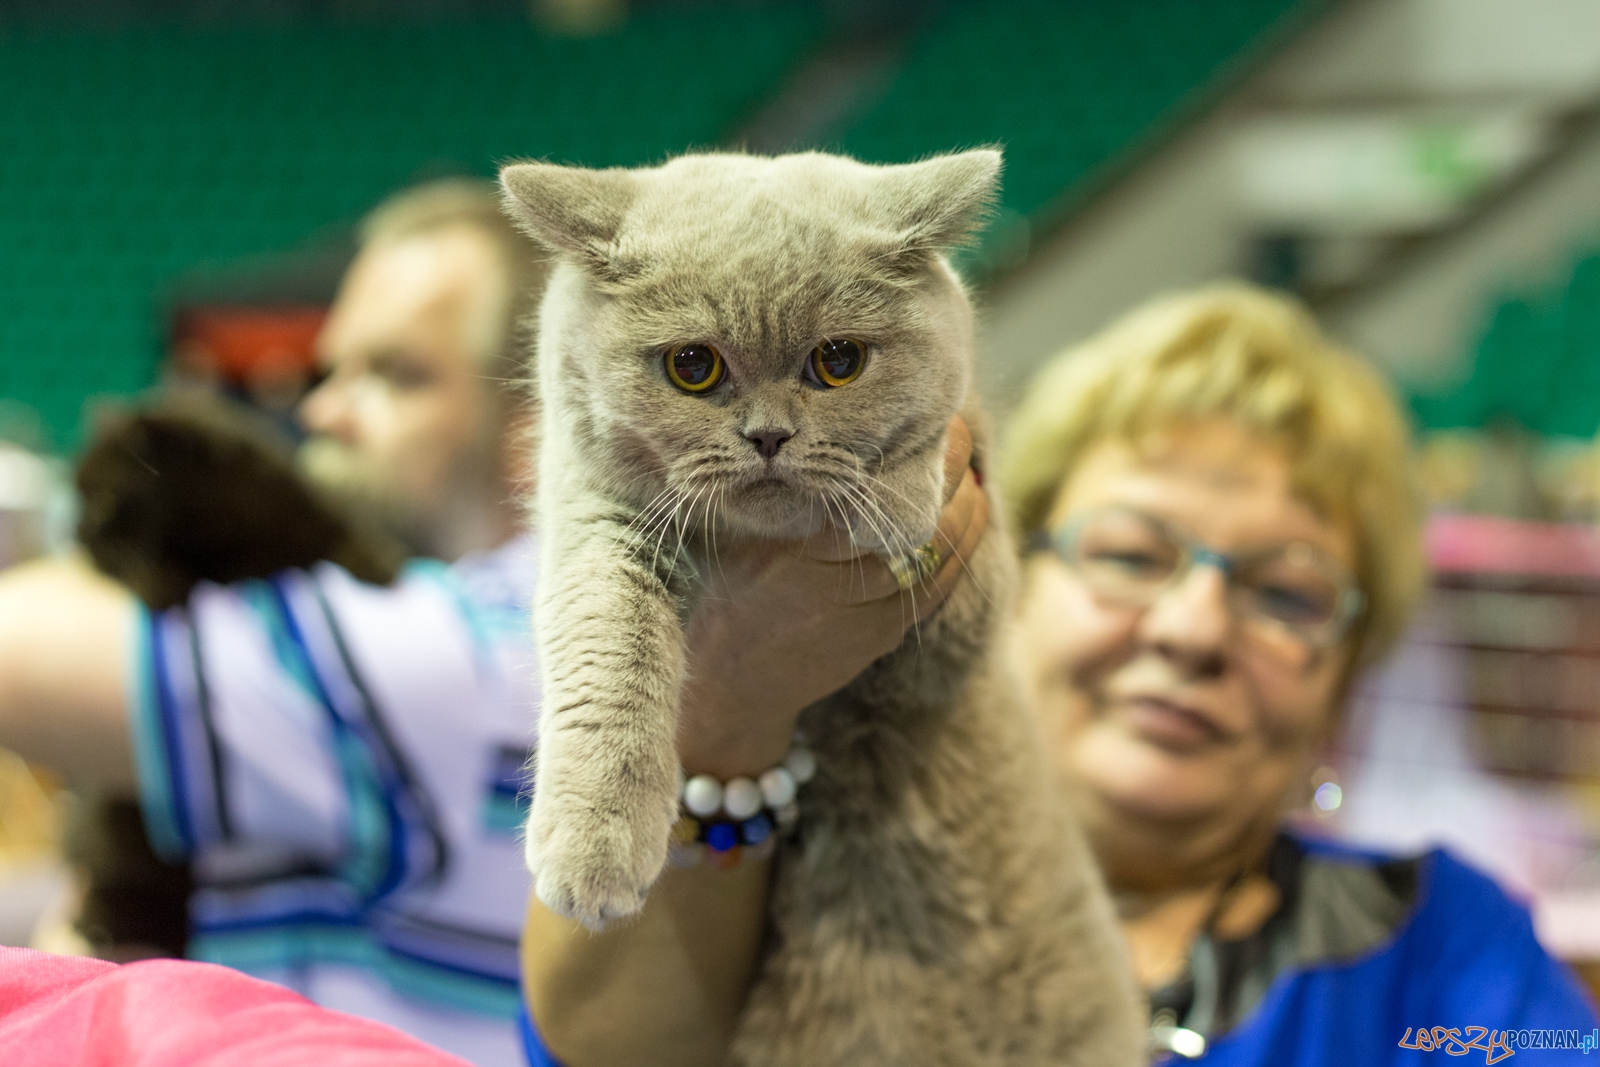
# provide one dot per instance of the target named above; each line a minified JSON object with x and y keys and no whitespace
{"x":836,"y":363}
{"x":694,"y":368}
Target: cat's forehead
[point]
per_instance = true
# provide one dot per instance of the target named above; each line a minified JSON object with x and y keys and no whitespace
{"x":811,"y":183}
{"x":699,"y":206}
{"x":722,"y":243}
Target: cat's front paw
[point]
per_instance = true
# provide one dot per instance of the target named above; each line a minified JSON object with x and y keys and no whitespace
{"x":590,"y":866}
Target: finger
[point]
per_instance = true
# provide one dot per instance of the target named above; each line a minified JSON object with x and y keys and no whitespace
{"x":830,"y":545}
{"x":874,"y":580}
{"x":833,"y":545}
{"x":869,"y":578}
{"x":961,"y":529}
{"x":957,"y":566}
{"x":883,"y":623}
{"x":958,"y":513}
{"x":957,"y":455}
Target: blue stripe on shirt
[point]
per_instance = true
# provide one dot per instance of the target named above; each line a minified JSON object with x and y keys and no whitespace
{"x":296,"y":925}
{"x":294,"y":946}
{"x":171,"y":736}
{"x":412,"y":804}
{"x":161,"y":791}
{"x":377,"y":862}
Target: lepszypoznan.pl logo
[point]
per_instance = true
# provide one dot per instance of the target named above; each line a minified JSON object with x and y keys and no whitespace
{"x":1497,"y":1045}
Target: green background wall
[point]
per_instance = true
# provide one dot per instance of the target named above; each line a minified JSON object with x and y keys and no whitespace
{"x":131,"y":157}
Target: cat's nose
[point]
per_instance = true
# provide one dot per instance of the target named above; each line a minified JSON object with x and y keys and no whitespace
{"x":768,"y":441}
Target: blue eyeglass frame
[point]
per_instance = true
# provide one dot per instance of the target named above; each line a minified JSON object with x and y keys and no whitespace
{"x":1352,"y":601}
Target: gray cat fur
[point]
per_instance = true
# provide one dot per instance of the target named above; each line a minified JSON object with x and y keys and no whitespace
{"x":936,"y":906}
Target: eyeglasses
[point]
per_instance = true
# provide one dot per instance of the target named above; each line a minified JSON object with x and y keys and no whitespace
{"x":1128,"y":557}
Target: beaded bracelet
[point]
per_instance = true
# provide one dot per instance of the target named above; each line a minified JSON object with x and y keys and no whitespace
{"x":720,"y":823}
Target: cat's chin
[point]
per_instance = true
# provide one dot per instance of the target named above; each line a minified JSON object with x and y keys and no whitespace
{"x":782,"y":516}
{"x":777,"y":519}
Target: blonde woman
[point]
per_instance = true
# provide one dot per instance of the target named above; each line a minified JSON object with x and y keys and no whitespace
{"x":1222,"y":533}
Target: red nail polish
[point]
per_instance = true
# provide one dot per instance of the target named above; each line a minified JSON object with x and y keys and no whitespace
{"x":977,"y":475}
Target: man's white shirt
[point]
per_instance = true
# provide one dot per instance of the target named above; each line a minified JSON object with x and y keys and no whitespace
{"x":345,"y":767}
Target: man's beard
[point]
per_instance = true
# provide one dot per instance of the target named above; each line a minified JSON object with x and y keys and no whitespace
{"x":358,"y":487}
{"x":433,"y":527}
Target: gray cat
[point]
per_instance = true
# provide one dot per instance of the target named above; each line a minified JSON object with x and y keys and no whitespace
{"x":739,"y":347}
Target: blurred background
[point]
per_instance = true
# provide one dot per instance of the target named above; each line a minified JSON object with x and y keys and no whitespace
{"x":179,"y":180}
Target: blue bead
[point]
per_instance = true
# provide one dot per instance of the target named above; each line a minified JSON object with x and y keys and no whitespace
{"x":721,"y":836}
{"x":756,"y":829}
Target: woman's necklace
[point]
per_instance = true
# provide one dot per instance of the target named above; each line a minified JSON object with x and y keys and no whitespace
{"x":1166,"y":1034}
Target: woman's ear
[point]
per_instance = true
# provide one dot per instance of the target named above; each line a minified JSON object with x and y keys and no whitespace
{"x":573,"y":211}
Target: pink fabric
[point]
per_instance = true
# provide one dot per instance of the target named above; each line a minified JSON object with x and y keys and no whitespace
{"x":66,"y":1011}
{"x":1475,"y":544}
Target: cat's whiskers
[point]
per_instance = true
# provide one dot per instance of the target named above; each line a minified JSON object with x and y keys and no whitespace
{"x":641,"y":524}
{"x":879,"y":450}
{"x":669,"y":509}
{"x":829,"y":504}
{"x":828,"y":515}
{"x":720,"y":500}
{"x":663,"y":531}
{"x":950,"y":545}
{"x":850,"y":454}
{"x":686,"y":517}
{"x":852,"y":499}
{"x":670,"y":514}
{"x":712,"y":491}
{"x":859,"y":487}
{"x":663,"y":528}
{"x":868,"y":508}
{"x":822,"y":477}
{"x":657,"y":514}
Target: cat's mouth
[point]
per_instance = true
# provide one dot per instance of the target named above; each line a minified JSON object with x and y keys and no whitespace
{"x":790,"y":504}
{"x":767,"y":504}
{"x":769,"y":497}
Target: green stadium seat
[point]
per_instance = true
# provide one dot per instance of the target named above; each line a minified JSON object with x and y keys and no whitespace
{"x":130,"y":156}
{"x":1536,"y":363}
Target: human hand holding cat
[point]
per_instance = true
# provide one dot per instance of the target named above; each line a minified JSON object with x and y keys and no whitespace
{"x":784,"y":625}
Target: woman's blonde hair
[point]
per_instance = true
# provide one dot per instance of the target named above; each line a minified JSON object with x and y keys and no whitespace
{"x":1239,"y":353}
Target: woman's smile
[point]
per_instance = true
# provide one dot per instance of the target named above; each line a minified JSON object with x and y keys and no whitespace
{"x":1168,"y":724}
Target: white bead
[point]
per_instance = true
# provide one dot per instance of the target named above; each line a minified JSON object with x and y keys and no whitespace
{"x":702,"y":795}
{"x":741,"y":798}
{"x":802,"y":764}
{"x":777,"y":787}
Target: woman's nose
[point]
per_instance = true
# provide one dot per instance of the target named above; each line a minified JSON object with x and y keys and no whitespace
{"x":1189,"y":623}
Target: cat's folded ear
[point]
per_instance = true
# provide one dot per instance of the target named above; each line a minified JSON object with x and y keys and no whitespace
{"x":573,"y":211}
{"x":941,"y":202}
